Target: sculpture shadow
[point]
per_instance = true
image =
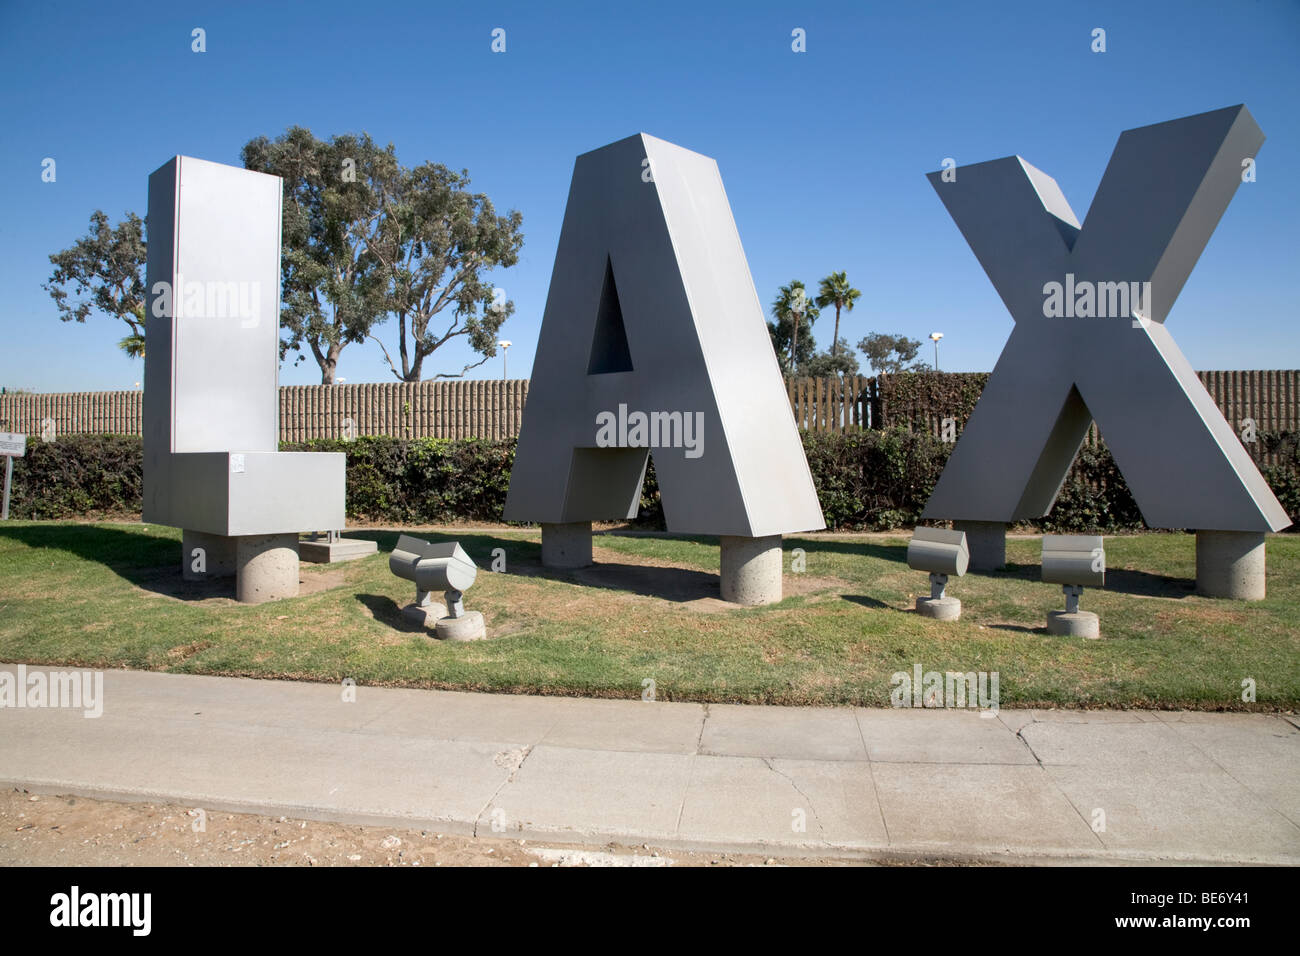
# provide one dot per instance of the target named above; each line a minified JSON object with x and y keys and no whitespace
{"x":147,"y":562}
{"x":861,"y":549}
{"x":872,"y":603}
{"x":1018,"y":628}
{"x":1145,"y":584}
{"x":388,"y":612}
{"x":678,"y":585}
{"x":478,"y":545}
{"x":524,"y":557}
{"x":709,"y":539}
{"x":1118,"y":581}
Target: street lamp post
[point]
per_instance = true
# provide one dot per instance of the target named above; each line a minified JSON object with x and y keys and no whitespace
{"x":935,"y":337}
{"x":505,"y":345}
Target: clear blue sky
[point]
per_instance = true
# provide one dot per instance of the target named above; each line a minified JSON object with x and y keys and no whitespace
{"x":823,"y":153}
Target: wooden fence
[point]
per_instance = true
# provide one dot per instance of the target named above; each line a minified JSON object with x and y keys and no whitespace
{"x":484,"y":408}
{"x":461,"y":409}
{"x":834,"y":404}
{"x":494,"y":408}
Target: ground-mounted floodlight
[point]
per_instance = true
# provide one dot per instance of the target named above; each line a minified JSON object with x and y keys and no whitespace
{"x":450,"y":570}
{"x":406,"y":555}
{"x":1074,"y":561}
{"x":943,"y":554}
{"x":438,"y":567}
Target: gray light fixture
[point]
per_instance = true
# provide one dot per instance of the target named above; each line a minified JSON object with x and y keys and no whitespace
{"x":943,"y":554}
{"x":1074,"y":561}
{"x":441,"y":567}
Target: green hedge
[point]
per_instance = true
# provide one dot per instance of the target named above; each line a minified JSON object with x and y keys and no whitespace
{"x":80,"y":476}
{"x":423,"y":479}
{"x":914,"y":399}
{"x":866,"y":480}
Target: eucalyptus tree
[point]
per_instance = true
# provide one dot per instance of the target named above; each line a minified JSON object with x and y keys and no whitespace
{"x":891,"y":354}
{"x":103,"y":271}
{"x":435,"y":244}
{"x":832,"y":364}
{"x":334,"y":201}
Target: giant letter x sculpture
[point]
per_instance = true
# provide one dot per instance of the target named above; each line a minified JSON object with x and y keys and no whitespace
{"x":1163,"y":193}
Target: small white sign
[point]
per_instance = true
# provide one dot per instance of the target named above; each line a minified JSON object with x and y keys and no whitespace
{"x":236,"y":464}
{"x":13,"y":444}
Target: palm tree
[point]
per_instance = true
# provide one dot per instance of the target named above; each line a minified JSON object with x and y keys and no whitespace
{"x":133,"y":344}
{"x":835,"y":290}
{"x":792,"y":302}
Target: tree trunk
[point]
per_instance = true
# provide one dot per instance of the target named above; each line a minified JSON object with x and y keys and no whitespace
{"x":326,"y":369}
{"x":835,"y":342}
{"x":330,"y":366}
{"x":417,"y":366}
{"x":794,"y":346}
{"x":401,"y":345}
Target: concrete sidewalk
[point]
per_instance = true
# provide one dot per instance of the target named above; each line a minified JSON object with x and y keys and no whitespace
{"x":889,"y":784}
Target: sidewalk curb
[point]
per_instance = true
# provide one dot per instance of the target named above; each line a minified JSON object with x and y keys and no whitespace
{"x":884,"y":855}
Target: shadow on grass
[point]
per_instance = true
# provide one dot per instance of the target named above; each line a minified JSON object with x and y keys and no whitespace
{"x":710,"y":539}
{"x":152,"y":562}
{"x":387,"y":611}
{"x":1018,"y":628}
{"x":810,"y":543}
{"x":1145,"y":584}
{"x":678,"y":585}
{"x":143,"y":559}
{"x":114,"y":548}
{"x":478,"y":545}
{"x":872,"y":603}
{"x":524,"y":558}
{"x":861,"y":549}
{"x":1118,"y":580}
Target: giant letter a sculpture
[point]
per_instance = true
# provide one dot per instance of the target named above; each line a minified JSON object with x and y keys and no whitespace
{"x":653,"y":340}
{"x":1090,"y":342}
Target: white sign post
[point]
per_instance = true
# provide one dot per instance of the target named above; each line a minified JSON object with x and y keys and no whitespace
{"x":11,"y":446}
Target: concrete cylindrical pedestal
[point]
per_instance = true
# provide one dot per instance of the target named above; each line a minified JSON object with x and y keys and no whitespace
{"x":267,"y":567}
{"x":987,"y":543}
{"x":566,"y":545}
{"x":217,"y":559}
{"x":1230,"y":564}
{"x":467,"y":627}
{"x":751,"y":569}
{"x":941,"y":609}
{"x":1073,"y":624}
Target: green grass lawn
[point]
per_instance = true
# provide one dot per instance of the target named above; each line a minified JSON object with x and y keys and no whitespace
{"x":110,"y":595}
